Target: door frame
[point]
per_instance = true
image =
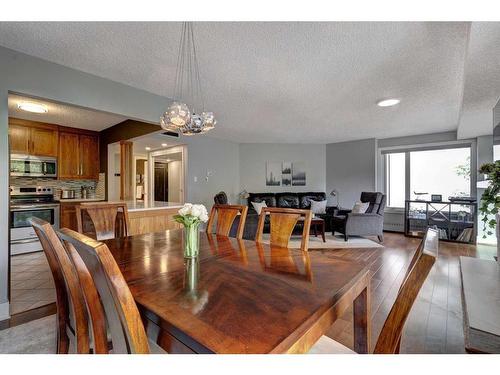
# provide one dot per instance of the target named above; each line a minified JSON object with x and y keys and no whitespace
{"x":165,"y":151}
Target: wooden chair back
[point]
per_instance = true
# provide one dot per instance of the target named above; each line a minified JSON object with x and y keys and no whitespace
{"x":226,"y":214}
{"x":110,"y":220}
{"x":389,"y":340}
{"x":122,"y":316}
{"x":67,"y":285}
{"x":282,"y":223}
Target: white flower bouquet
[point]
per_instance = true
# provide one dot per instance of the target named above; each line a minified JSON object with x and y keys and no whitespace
{"x":191,"y":216}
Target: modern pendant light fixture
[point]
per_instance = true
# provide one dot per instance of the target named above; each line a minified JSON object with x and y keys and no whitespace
{"x":180,"y":116}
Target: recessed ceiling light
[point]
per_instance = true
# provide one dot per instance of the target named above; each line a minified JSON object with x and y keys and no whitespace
{"x":163,"y":145}
{"x":33,"y":107}
{"x":388,"y":102}
{"x":148,"y":148}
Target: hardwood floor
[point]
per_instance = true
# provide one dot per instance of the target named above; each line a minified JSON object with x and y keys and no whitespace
{"x":435,"y":322}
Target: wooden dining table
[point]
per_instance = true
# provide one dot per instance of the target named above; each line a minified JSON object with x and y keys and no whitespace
{"x":240,"y":296}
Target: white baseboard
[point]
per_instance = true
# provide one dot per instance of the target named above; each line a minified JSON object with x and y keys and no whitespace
{"x":4,"y":311}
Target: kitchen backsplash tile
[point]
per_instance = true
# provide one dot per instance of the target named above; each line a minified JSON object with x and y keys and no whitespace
{"x":58,"y":185}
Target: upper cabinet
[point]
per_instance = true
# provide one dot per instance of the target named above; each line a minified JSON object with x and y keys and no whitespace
{"x":33,"y":138}
{"x":76,"y":150}
{"x":78,"y":155}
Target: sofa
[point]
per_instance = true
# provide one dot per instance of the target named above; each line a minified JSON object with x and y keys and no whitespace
{"x":370,"y":223}
{"x":283,"y":200}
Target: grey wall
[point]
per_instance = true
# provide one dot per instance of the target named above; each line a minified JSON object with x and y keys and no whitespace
{"x":220,"y":159}
{"x":32,"y":76}
{"x":253,"y":158}
{"x":350,"y":169}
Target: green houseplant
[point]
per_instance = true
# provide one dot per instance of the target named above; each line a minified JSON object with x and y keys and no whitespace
{"x":490,"y":200}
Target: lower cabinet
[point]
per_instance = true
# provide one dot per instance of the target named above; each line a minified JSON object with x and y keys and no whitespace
{"x":68,"y":216}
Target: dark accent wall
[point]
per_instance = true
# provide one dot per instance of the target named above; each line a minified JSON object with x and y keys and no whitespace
{"x":120,"y":132}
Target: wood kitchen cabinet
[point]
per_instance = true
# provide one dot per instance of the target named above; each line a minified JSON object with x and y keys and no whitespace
{"x":78,"y":156}
{"x":68,"y":216}
{"x":69,"y":160}
{"x":89,"y":157}
{"x":33,"y":138}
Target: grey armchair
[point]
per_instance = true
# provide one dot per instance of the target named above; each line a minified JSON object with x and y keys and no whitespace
{"x":370,"y":223}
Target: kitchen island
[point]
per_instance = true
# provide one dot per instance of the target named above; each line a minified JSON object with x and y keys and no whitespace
{"x":151,"y":216}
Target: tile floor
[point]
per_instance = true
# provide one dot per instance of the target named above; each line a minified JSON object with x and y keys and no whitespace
{"x":32,"y":284}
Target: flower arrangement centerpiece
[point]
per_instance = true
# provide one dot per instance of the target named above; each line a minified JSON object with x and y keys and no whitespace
{"x":191,"y":216}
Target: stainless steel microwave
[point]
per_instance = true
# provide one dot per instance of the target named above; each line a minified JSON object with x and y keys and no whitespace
{"x":32,"y":166}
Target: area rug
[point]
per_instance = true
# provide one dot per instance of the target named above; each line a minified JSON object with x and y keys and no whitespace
{"x":332,"y":242}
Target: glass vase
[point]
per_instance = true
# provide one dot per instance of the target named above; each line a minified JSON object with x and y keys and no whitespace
{"x":191,"y":241}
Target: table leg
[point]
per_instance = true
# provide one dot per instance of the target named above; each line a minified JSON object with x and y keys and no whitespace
{"x":323,"y":231}
{"x":362,"y":322}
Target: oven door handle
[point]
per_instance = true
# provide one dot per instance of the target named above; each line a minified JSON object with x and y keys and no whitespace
{"x":33,"y":207}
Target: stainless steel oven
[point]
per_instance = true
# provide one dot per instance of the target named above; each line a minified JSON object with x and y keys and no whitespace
{"x":32,"y":166}
{"x":27,"y":202}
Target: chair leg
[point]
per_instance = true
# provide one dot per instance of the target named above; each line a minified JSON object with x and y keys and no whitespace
{"x":380,"y":238}
{"x":62,"y":338}
{"x":345,"y":237}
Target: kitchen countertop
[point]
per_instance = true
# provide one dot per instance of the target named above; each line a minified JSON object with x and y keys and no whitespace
{"x":148,"y":205}
{"x":78,"y":200}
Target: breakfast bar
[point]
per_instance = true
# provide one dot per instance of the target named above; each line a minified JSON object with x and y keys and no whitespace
{"x":153,"y":216}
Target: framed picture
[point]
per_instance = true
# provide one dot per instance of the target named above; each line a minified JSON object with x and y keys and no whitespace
{"x":298,"y":174}
{"x":286,"y":173}
{"x":273,"y":173}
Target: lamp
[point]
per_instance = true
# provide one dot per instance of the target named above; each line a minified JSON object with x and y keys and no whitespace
{"x":244,"y":195}
{"x":335,"y":194}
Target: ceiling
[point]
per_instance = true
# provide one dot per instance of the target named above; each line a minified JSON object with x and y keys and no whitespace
{"x":154,"y":141}
{"x":64,"y":114}
{"x":298,"y":82}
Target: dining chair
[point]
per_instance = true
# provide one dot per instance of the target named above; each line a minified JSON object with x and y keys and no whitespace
{"x":282,"y":222}
{"x":226,"y":214}
{"x":109,"y":220}
{"x":389,"y":340}
{"x":69,"y":296}
{"x":119,"y":311}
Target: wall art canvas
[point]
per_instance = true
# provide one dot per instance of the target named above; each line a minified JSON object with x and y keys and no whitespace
{"x":298,"y":174}
{"x":286,"y":173}
{"x":273,"y":173}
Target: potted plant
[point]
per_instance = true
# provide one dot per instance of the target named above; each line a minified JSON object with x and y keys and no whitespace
{"x":490,"y":200}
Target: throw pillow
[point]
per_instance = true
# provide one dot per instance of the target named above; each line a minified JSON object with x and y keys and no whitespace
{"x":258,"y":206}
{"x":318,"y":207}
{"x":360,"y":207}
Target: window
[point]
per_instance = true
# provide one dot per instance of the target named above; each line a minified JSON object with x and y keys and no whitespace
{"x":440,"y":171}
{"x":496,"y":152}
{"x":395,"y":179}
{"x":445,"y":172}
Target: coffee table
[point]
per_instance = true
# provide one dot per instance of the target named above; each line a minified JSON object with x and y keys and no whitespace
{"x":318,"y":222}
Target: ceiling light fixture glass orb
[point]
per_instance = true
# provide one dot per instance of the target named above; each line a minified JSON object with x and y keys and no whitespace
{"x":33,"y":107}
{"x":187,"y":89}
{"x":176,"y":116}
{"x":208,"y":120}
{"x":388,"y":102}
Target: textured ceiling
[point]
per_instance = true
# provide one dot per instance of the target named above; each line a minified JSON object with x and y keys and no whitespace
{"x":482,"y":80}
{"x":286,"y":82}
{"x":63,"y":114}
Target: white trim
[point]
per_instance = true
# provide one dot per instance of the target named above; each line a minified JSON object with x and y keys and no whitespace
{"x":430,"y":144}
{"x":4,"y":311}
